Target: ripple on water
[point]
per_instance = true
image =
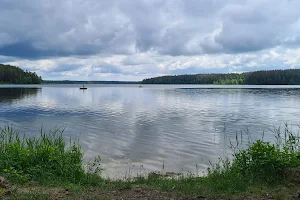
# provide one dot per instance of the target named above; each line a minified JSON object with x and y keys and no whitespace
{"x":163,"y":128}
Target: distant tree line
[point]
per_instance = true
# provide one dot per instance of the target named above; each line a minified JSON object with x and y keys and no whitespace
{"x":270,"y":77}
{"x":88,"y":82}
{"x":15,"y":75}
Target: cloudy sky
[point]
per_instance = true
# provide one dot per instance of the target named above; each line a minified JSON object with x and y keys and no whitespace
{"x":137,"y":39}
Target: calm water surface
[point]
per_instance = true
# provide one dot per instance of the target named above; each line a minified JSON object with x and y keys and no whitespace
{"x":161,"y":127}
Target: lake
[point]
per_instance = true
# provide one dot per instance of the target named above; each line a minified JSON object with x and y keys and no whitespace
{"x":170,"y":128}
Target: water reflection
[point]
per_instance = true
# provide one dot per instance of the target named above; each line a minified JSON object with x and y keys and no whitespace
{"x":152,"y":126}
{"x":15,"y":94}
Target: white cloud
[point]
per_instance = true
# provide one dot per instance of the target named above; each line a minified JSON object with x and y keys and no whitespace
{"x":152,"y":64}
{"x":98,"y":39}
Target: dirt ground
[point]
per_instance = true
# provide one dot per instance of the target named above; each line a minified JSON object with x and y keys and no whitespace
{"x":137,"y":193}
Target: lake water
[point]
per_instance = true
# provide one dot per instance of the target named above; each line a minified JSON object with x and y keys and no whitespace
{"x":170,"y":128}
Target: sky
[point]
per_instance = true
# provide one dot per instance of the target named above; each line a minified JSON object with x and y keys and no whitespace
{"x":124,"y":40}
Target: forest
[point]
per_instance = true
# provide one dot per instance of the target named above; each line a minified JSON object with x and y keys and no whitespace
{"x":88,"y":82}
{"x":15,"y":75}
{"x":269,"y":77}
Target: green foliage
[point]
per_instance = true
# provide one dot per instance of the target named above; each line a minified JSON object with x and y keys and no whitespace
{"x":271,"y":77}
{"x":263,"y":161}
{"x":261,"y":165}
{"x":233,"y":81}
{"x":94,"y":167}
{"x":47,"y":157}
{"x":89,"y":82}
{"x":256,"y":170}
{"x":274,"y":77}
{"x":15,"y":75}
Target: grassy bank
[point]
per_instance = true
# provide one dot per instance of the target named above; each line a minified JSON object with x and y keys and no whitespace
{"x":50,"y":167}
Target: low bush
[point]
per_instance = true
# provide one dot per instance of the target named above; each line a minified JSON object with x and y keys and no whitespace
{"x":44,"y":157}
{"x":263,"y":161}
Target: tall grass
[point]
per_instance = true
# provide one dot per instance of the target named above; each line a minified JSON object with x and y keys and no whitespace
{"x":262,"y":161}
{"x":259,"y":166}
{"x":44,"y":157}
{"x":49,"y":156}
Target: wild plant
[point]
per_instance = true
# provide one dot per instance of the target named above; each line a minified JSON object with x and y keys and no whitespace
{"x":45,"y":156}
{"x":262,"y":160}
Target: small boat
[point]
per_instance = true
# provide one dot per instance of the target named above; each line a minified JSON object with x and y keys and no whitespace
{"x":140,"y":86}
{"x":83,"y":88}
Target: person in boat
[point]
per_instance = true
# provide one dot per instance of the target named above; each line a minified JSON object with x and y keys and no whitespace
{"x":83,"y":88}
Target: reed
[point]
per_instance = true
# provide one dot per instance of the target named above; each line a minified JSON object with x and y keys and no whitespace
{"x":260,"y":168}
{"x":48,"y":156}
{"x":260,"y":163}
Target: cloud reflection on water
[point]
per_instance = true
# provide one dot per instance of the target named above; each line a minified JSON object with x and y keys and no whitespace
{"x":152,"y":126}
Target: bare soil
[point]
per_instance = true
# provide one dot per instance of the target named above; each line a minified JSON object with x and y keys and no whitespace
{"x":141,"y":192}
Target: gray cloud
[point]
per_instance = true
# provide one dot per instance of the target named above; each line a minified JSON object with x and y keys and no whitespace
{"x":105,"y":68}
{"x":257,"y":25}
{"x":36,"y":29}
{"x":136,"y":39}
{"x":196,"y":70}
{"x":66,"y":68}
{"x":61,"y":28}
{"x":152,"y":64}
{"x":137,"y":60}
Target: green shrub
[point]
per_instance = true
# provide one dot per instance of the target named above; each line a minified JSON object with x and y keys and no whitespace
{"x":263,"y":161}
{"x":45,"y":157}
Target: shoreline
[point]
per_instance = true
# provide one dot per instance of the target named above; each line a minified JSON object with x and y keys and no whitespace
{"x":48,"y":167}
